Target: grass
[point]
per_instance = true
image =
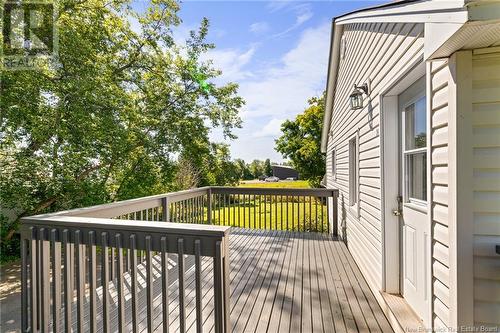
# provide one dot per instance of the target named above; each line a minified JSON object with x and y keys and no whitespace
{"x":272,"y":212}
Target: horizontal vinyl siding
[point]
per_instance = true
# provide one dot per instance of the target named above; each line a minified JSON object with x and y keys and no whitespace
{"x":376,"y":53}
{"x":439,"y":77}
{"x":486,"y":187}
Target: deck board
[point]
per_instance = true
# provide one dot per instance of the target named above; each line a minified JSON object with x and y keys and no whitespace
{"x":279,"y":282}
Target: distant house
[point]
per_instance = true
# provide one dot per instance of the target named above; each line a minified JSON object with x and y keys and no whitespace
{"x":284,"y":172}
{"x":412,"y":138}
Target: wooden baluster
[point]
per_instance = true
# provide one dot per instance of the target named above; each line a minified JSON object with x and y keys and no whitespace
{"x":287,"y":217}
{"x":281,"y":211}
{"x":260,"y":211}
{"x":244,"y":215}
{"x":234,"y":210}
{"x":93,"y":281}
{"x":133,"y":250}
{"x":68,"y":286}
{"x":271,"y":211}
{"x":164,"y":283}
{"x":199,"y":296}
{"x":165,"y":216}
{"x":322,"y":212}
{"x":149,"y":283}
{"x":112,"y":267}
{"x":33,"y":279}
{"x":254,"y":212}
{"x":221,"y":288}
{"x":180,"y":267}
{"x":120,"y":286}
{"x":24,"y":282}
{"x":316,"y":213}
{"x":45,"y":279}
{"x":310,"y":215}
{"x":56,"y":281}
{"x":80,"y":278}
{"x":275,"y":211}
{"x":105,"y":282}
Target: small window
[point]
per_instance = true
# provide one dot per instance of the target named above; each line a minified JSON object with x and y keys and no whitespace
{"x":415,"y":151}
{"x":334,"y":166}
{"x":353,"y":171}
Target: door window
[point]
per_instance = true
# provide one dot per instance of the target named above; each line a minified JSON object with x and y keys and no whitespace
{"x":415,"y":151}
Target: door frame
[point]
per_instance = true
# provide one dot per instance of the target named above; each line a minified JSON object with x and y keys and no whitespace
{"x":390,"y":185}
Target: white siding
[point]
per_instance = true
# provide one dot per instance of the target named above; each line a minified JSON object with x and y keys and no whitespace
{"x":483,"y":166}
{"x":486,"y":187}
{"x":439,"y":79}
{"x":374,"y":52}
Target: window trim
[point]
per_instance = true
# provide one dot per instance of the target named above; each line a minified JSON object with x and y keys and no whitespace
{"x":414,"y":202}
{"x":334,"y":163}
{"x":354,"y":173}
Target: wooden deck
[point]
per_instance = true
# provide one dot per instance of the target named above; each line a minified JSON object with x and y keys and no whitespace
{"x":279,"y":282}
{"x":284,"y":282}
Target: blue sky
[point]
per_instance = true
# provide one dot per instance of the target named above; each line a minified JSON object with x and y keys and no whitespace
{"x":276,"y":51}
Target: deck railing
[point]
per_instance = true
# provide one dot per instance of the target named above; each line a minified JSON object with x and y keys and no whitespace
{"x":96,"y":268}
{"x":275,"y":208}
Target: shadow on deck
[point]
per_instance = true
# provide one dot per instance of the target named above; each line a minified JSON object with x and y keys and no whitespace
{"x":279,"y":282}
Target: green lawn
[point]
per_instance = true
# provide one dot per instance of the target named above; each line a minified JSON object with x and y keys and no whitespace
{"x":271,"y":212}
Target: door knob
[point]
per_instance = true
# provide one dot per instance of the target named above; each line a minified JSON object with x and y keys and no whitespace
{"x":397,"y":212}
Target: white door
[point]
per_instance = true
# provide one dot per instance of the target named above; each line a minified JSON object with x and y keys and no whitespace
{"x":413,"y":196}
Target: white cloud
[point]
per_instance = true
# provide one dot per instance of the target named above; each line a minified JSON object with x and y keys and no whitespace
{"x":278,"y":5}
{"x":302,"y":18}
{"x":279,"y":91}
{"x":299,"y":20}
{"x":231,"y":62}
{"x":259,"y":27}
{"x":282,"y":90}
{"x":272,"y":128}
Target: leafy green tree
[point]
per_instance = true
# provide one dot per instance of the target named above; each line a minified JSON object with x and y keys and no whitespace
{"x":268,"y":170}
{"x":107,"y":122}
{"x":256,"y":168}
{"x":301,"y":142}
{"x":243,"y":169}
{"x":221,"y":170}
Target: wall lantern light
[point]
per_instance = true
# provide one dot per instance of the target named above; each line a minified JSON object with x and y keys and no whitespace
{"x":356,"y":97}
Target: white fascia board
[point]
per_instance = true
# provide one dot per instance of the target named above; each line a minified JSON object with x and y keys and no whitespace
{"x":333,"y":65}
{"x":452,"y":11}
{"x":483,"y":10}
{"x":436,"y":34}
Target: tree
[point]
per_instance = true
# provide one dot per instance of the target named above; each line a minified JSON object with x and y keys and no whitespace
{"x":256,"y":168}
{"x":106,"y":122}
{"x":218,"y":169}
{"x":243,"y":169}
{"x":268,"y":170}
{"x":186,"y":177}
{"x":301,"y":142}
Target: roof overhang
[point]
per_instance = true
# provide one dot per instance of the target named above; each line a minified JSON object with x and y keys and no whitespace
{"x":331,"y":81}
{"x":411,"y":11}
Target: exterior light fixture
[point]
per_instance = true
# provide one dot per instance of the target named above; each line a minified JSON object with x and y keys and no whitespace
{"x":356,"y":97}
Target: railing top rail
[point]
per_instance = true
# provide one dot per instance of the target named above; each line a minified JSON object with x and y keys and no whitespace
{"x":314,"y":192}
{"x":126,"y":225}
{"x":123,"y":207}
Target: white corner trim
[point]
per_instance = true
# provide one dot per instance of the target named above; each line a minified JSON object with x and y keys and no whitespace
{"x":460,"y":202}
{"x":436,"y":35}
{"x":333,"y":66}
